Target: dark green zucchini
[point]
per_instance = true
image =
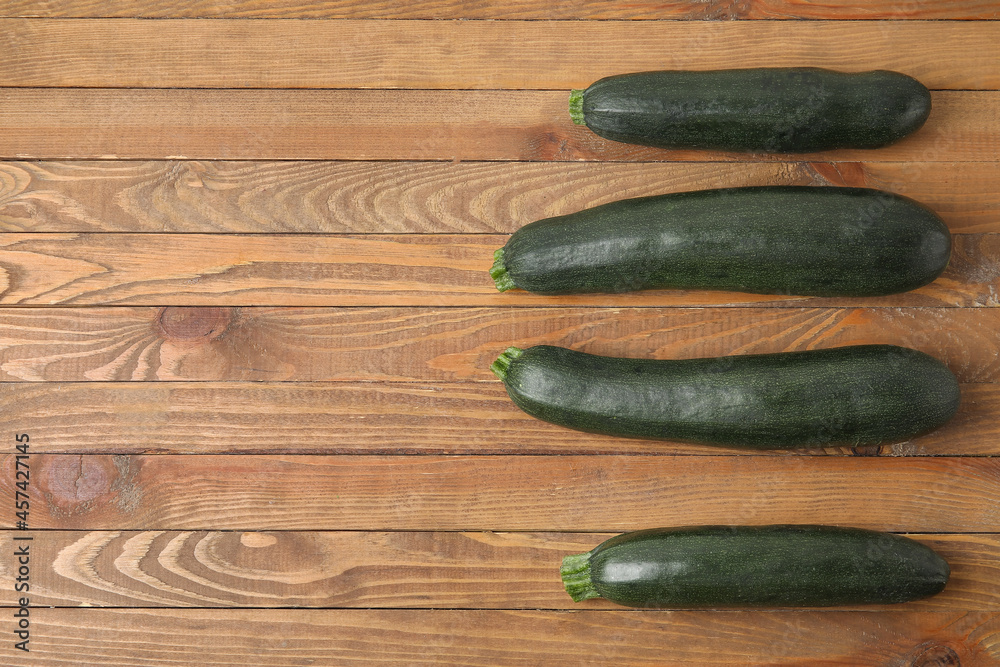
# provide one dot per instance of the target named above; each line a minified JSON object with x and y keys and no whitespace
{"x":855,"y":395}
{"x":774,"y":110}
{"x":809,"y":241}
{"x":755,"y":566}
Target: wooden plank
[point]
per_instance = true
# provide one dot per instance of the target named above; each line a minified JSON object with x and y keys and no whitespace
{"x":78,"y":123}
{"x":213,"y":270}
{"x":504,"y":493}
{"x":426,"y":197}
{"x":414,"y":344}
{"x":135,"y":53}
{"x":513,"y":9}
{"x":369,"y":570}
{"x":485,"y":638}
{"x":371,"y":418}
{"x":383,"y":270}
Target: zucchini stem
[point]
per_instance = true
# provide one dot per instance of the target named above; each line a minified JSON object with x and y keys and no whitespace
{"x":575,"y":573}
{"x":499,"y":273}
{"x":500,"y":366}
{"x":576,"y":107}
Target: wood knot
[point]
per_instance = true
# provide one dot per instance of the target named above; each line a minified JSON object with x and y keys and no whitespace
{"x":279,"y":554}
{"x":258,"y":540}
{"x":193,"y":323}
{"x":72,"y":481}
{"x":936,"y":655}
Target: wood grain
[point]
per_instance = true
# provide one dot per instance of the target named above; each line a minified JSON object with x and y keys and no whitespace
{"x":371,"y":418}
{"x":135,"y":53}
{"x":79,"y":123}
{"x":370,"y":570}
{"x":244,"y":318}
{"x":448,"y":344}
{"x":513,"y":9}
{"x":485,"y":638}
{"x":382,"y":270}
{"x":504,"y":493}
{"x":426,"y":197}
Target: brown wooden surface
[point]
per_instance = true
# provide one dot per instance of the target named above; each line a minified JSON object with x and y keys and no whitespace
{"x":450,"y":344}
{"x":246,"y":321}
{"x":473,"y":54}
{"x":534,"y":125}
{"x":486,"y":638}
{"x":440,"y":570}
{"x":392,"y":270}
{"x":506,"y":493}
{"x":512,"y":9}
{"x":374,"y":418}
{"x":427,"y":197}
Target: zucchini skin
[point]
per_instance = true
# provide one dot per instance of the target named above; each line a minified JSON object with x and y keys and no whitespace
{"x":771,"y":110}
{"x":756,"y":566}
{"x":807,"y":241}
{"x":856,"y":395}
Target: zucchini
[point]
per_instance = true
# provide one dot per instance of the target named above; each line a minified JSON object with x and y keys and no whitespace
{"x":773,"y":110}
{"x":856,"y":395}
{"x":808,"y":241}
{"x":755,"y":566}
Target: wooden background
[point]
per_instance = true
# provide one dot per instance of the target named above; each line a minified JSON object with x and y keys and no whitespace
{"x":246,"y":320}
